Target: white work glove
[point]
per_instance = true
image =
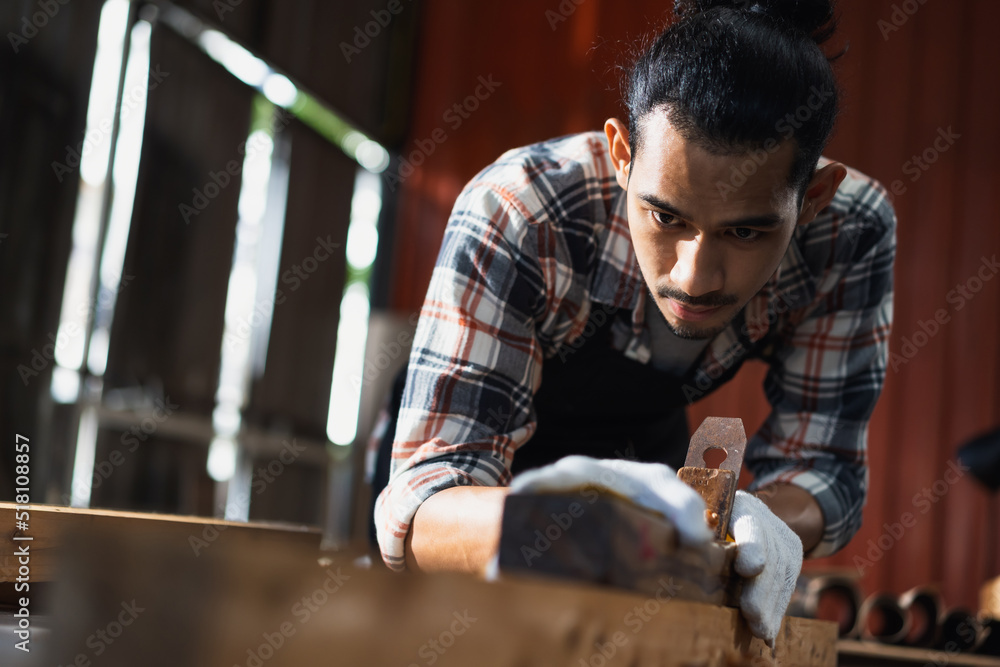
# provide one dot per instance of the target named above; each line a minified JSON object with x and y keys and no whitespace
{"x":769,"y":558}
{"x":651,"y":485}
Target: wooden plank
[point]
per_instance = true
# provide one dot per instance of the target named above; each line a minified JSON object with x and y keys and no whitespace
{"x":275,"y":606}
{"x":989,"y":598}
{"x":851,"y":652}
{"x":48,"y":525}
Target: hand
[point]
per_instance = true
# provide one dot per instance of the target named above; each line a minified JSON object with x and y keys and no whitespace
{"x":651,"y":485}
{"x":769,"y":558}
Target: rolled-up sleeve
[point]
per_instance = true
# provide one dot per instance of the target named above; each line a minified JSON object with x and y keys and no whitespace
{"x":474,"y":366}
{"x":826,"y":376}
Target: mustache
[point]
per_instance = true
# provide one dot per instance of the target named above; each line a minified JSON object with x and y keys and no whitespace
{"x":712,"y":300}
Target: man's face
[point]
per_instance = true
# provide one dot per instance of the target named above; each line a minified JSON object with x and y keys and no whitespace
{"x":705,"y":250}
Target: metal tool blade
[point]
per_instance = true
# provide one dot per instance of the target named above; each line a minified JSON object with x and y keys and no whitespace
{"x":724,"y":433}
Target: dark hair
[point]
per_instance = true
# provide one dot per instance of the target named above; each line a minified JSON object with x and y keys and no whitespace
{"x":738,"y":75}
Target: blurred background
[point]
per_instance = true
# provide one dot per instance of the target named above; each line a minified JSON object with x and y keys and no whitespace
{"x":218,"y":219}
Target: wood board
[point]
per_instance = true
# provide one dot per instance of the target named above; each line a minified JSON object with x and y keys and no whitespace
{"x":276,"y":605}
{"x":47,"y":525}
{"x":869,"y":654}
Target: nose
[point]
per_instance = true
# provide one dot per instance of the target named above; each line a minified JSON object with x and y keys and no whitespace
{"x":698,"y":268}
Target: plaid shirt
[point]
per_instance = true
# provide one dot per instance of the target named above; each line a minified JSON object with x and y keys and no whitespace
{"x":541,"y":236}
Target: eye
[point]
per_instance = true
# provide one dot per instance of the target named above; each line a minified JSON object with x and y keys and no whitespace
{"x":746,"y":234}
{"x":664,"y":219}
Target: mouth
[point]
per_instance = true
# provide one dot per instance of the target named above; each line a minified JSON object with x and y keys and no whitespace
{"x":692,"y":313}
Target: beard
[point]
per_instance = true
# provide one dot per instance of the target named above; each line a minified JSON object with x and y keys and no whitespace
{"x":693,"y":331}
{"x":688,"y":332}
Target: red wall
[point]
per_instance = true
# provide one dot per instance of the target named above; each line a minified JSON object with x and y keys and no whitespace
{"x":938,"y":70}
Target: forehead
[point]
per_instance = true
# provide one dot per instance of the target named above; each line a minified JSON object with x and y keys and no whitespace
{"x":707,"y":184}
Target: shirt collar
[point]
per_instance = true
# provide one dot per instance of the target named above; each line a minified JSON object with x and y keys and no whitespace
{"x":617,"y":281}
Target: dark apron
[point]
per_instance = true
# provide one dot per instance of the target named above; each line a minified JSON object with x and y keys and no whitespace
{"x":595,"y":401}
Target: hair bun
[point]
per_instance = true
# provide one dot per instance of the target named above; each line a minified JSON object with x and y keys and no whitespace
{"x":813,"y":17}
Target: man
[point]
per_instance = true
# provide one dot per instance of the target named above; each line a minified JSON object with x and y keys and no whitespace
{"x":590,"y":287}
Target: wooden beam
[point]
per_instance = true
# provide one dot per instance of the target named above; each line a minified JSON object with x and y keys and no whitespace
{"x":277,"y":606}
{"x":870,"y":654}
{"x":48,"y":524}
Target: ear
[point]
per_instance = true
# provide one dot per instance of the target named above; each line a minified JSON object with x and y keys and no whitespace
{"x":821,"y":191}
{"x":621,"y":153}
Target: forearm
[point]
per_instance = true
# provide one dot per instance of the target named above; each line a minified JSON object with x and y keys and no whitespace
{"x":796,"y":507}
{"x":457,"y":530}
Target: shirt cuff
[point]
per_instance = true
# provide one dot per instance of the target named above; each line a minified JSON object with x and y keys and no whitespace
{"x":401,"y":499}
{"x":841,"y":513}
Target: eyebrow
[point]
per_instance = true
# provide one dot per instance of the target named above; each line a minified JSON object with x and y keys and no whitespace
{"x":768,"y":221}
